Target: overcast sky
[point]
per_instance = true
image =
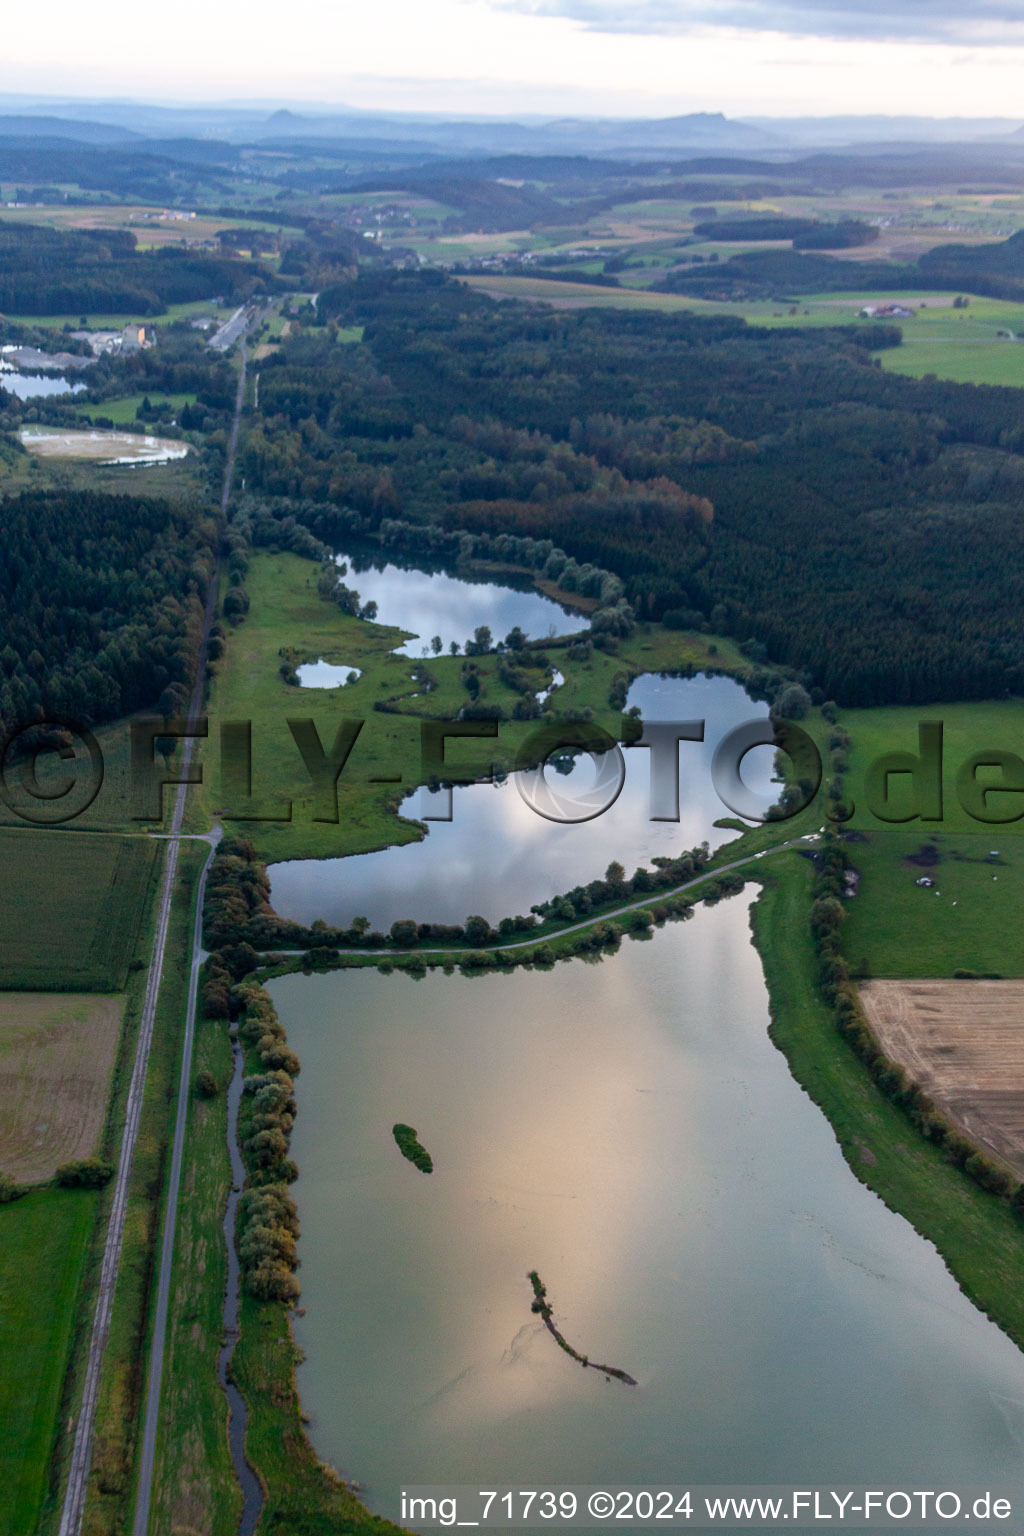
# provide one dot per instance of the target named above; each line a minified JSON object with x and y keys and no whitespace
{"x":614,"y":57}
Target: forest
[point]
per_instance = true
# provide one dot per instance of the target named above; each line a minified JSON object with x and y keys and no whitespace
{"x":776,"y":486}
{"x":995,"y":270}
{"x":101,"y":604}
{"x":47,"y":271}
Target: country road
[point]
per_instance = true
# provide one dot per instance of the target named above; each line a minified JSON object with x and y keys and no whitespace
{"x":81,"y":1453}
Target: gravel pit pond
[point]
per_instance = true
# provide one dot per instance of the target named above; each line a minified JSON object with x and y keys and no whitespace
{"x":497,"y":856}
{"x":104,"y":447}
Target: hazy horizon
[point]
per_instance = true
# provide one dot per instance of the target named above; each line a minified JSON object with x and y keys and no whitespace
{"x":652,"y":58}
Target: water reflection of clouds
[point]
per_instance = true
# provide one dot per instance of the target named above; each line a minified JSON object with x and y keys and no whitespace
{"x":434,"y":603}
{"x":497,"y":856}
{"x":325,"y":674}
{"x":34,"y":386}
{"x":748,"y":1307}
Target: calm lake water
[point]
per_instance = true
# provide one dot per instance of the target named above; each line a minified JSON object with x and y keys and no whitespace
{"x":628,"y":1130}
{"x":32,"y":386}
{"x":325,"y":674}
{"x":436,"y":603}
{"x":497,"y":856}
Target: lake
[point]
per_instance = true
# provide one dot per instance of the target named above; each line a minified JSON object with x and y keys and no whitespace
{"x":497,"y":856}
{"x":627,"y":1129}
{"x":438,"y":603}
{"x":32,"y":386}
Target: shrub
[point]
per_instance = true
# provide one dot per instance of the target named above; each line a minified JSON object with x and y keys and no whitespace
{"x":404,"y":933}
{"x":410,"y":1147}
{"x":207,"y":1086}
{"x":87,"y":1173}
{"x":272,"y":1280}
{"x":216,"y":1000}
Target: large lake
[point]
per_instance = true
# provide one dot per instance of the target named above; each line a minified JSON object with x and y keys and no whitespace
{"x":497,"y":856}
{"x":438,"y":603}
{"x":628,"y":1130}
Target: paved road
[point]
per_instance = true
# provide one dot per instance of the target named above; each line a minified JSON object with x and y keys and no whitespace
{"x":81,"y":1451}
{"x":653,"y":898}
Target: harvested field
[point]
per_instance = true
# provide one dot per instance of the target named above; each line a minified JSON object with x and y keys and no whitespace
{"x":962,"y":1042}
{"x":56,"y":1055}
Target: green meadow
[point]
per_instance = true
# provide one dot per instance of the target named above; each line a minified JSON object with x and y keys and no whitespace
{"x":968,"y":360}
{"x":125,"y":408}
{"x":44,"y":1240}
{"x":968,"y":918}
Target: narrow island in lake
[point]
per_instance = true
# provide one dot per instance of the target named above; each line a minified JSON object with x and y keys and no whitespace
{"x":409,"y":1146}
{"x":542,"y":1306}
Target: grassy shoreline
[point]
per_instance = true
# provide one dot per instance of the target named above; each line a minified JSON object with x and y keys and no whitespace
{"x":977,"y":1235}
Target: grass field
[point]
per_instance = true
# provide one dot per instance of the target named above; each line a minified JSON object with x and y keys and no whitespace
{"x":44,"y":1239}
{"x":977,"y":1234}
{"x":895,"y":928}
{"x":70,"y":908}
{"x":967,"y":919}
{"x":114,"y":322}
{"x":588,"y":295}
{"x":964,"y":360}
{"x":963,"y":1043}
{"x":124,"y":409}
{"x":57,"y":1052}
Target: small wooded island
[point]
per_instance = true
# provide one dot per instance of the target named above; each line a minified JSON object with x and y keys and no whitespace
{"x":542,"y":1306}
{"x":409,"y":1146}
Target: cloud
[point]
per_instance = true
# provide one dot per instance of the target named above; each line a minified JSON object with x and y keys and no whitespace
{"x":989,"y":22}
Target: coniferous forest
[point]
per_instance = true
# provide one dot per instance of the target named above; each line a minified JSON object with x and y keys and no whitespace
{"x":101,"y":602}
{"x":775,"y":485}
